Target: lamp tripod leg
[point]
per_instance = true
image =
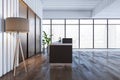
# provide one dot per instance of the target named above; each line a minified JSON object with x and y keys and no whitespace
{"x":15,"y":56}
{"x":22,"y":55}
{"x":18,"y":43}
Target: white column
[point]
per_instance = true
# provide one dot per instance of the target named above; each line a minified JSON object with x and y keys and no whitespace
{"x":0,"y":39}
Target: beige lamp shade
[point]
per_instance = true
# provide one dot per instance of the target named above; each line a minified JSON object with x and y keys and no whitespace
{"x":16,"y":24}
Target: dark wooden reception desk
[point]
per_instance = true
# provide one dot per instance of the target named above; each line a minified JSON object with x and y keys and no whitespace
{"x":60,"y":53}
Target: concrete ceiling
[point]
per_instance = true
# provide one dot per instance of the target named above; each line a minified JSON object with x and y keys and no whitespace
{"x":70,"y":4}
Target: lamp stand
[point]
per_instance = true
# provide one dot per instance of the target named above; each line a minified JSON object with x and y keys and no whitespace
{"x":18,"y":44}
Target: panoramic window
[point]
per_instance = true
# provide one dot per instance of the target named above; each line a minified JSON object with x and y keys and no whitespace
{"x":86,"y":36}
{"x":86,"y":33}
{"x":114,"y":36}
{"x":100,"y":36}
{"x":57,"y":32}
{"x":72,"y":32}
{"x":46,"y":28}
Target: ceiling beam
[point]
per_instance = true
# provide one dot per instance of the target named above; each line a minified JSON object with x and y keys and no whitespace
{"x":70,"y":4}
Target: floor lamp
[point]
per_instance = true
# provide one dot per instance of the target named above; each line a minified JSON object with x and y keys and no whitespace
{"x":16,"y":24}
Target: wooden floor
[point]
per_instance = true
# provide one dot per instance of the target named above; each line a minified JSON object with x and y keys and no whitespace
{"x":87,"y":65}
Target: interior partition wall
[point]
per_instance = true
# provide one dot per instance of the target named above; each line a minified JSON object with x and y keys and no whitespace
{"x":38,"y":35}
{"x":31,"y":41}
{"x":23,"y":36}
{"x":87,"y":33}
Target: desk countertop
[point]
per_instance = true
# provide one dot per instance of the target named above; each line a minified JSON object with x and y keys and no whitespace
{"x":58,"y":43}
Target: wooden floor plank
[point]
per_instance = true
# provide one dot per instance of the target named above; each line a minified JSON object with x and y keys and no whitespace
{"x":86,"y":65}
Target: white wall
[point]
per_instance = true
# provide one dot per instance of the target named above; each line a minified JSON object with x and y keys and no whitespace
{"x":66,"y":14}
{"x":102,"y":5}
{"x":7,"y":40}
{"x":0,"y":14}
{"x":36,"y":6}
{"x":111,"y":11}
{"x":0,"y":38}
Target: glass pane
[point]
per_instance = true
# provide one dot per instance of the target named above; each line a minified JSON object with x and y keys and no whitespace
{"x":86,"y":21}
{"x":46,"y":28}
{"x":58,"y":21}
{"x":114,"y":21}
{"x":72,"y":21}
{"x":86,"y":36}
{"x":72,"y":32}
{"x":57,"y":32}
{"x":100,"y":36}
{"x":45,"y":21}
{"x":114,"y":36}
{"x":100,"y":21}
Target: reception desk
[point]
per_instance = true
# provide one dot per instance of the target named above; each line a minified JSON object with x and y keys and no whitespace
{"x":60,"y":53}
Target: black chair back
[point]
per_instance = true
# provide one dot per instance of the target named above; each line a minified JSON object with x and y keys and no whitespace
{"x":67,"y":40}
